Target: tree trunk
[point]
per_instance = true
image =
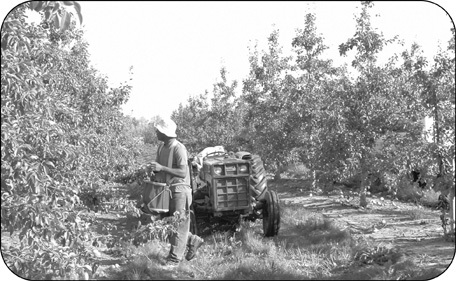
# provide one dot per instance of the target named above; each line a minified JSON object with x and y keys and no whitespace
{"x":314,"y":180}
{"x":451,"y":198}
{"x":437,"y":133}
{"x":364,"y":182}
{"x":280,"y":170}
{"x":363,"y":190}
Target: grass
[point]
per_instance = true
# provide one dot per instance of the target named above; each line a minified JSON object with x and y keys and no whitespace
{"x":309,"y":247}
{"x":417,"y":214}
{"x":408,"y":192}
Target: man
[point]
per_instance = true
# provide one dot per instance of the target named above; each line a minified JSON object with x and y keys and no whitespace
{"x":171,"y":167}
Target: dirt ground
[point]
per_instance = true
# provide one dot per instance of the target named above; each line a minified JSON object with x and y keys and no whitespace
{"x":419,"y":237}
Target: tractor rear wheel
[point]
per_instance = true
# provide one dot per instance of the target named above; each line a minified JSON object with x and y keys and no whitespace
{"x":258,"y":180}
{"x":193,"y":224}
{"x":271,"y":214}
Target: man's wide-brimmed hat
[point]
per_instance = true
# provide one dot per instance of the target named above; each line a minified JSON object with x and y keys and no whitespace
{"x":167,"y":127}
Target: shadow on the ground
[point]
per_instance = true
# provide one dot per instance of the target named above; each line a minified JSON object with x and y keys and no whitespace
{"x":435,"y":246}
{"x":245,"y":272}
{"x":405,"y":270}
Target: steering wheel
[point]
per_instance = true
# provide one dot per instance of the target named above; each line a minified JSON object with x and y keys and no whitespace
{"x":216,"y":153}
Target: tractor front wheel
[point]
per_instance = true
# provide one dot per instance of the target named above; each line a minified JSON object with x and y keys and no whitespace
{"x":271,"y":214}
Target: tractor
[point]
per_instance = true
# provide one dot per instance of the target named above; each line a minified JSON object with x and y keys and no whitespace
{"x":230,"y":186}
{"x":234,"y":186}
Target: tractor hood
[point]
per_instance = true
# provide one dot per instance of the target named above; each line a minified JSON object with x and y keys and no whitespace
{"x":223,"y":161}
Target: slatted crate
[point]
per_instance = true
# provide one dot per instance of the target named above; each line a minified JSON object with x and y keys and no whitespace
{"x":232,"y":194}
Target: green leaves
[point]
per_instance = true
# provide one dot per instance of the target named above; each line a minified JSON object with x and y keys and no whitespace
{"x":61,"y":131}
{"x":65,"y":22}
{"x":57,"y":12}
{"x":77,"y":7}
{"x":203,"y":124}
{"x":36,"y":5}
{"x":302,"y":108}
